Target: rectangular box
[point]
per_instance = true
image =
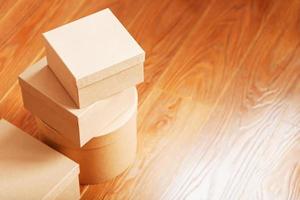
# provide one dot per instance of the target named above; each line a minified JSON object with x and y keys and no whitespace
{"x":45,"y":97}
{"x":31,"y":170}
{"x":94,"y":57}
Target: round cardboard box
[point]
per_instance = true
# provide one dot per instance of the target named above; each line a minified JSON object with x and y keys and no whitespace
{"x":103,"y":161}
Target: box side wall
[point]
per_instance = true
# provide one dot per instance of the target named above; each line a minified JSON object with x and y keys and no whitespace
{"x":48,"y":133}
{"x":45,"y":131}
{"x":62,"y":72}
{"x":67,"y":188}
{"x":111,"y":71}
{"x":71,"y":192}
{"x":111,"y":85}
{"x":49,"y":112}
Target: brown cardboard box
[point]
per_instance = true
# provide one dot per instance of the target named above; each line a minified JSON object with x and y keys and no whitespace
{"x":103,"y":157}
{"x":94,"y":57}
{"x":44,"y":96}
{"x":30,"y":170}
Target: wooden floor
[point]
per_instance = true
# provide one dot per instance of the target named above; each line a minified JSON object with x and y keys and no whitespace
{"x":219,"y":111}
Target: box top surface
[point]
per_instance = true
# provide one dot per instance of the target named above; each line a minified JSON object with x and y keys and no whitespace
{"x":29,"y":169}
{"x":94,"y":47}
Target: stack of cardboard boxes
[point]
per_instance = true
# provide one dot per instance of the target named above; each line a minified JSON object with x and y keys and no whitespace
{"x":83,"y":94}
{"x":84,"y":99}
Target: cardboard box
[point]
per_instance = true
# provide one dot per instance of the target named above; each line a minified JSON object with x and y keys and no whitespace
{"x":94,"y":57}
{"x":103,"y":157}
{"x":96,"y":141}
{"x":45,"y":97}
{"x":31,"y":170}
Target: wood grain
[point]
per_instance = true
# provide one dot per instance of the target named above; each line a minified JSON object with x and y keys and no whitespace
{"x":219,"y":114}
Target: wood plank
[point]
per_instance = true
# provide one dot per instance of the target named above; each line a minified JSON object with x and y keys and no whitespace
{"x":242,"y":140}
{"x":292,"y":114}
{"x":220,"y":151}
{"x":162,"y":40}
{"x":216,"y":48}
{"x":278,"y":178}
{"x":219,"y":103}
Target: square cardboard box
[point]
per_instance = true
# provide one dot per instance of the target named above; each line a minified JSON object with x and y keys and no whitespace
{"x":105,"y":137}
{"x":94,"y":57}
{"x":31,"y":170}
{"x":44,"y":96}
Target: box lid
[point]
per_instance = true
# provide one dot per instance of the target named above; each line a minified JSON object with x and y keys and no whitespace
{"x":94,"y":47}
{"x":29,"y":169}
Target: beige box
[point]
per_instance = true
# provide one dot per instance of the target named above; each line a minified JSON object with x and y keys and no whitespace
{"x":94,"y":57}
{"x":45,"y":97}
{"x":30,"y":170}
{"x":103,"y":157}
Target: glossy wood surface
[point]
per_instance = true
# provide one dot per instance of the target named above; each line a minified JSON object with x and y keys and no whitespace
{"x":219,"y":111}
